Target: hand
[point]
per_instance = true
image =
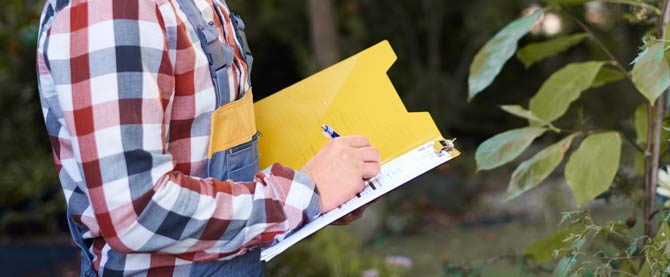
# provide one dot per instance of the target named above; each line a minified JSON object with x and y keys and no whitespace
{"x":340,"y":168}
{"x":356,"y":214}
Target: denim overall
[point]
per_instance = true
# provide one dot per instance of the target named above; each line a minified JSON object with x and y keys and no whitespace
{"x":237,"y":162}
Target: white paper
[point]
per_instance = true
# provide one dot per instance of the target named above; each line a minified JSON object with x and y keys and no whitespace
{"x":393,"y":174}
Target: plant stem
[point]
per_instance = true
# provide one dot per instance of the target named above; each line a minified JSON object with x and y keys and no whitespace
{"x":650,"y":184}
{"x":661,"y":32}
{"x":590,"y":130}
{"x":598,"y":42}
{"x":656,"y":211}
{"x":648,"y":208}
{"x":633,"y":143}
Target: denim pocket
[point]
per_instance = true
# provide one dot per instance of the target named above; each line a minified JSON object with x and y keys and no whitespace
{"x":242,"y":161}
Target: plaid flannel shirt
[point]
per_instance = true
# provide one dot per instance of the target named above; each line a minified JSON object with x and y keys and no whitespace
{"x":127,"y":96}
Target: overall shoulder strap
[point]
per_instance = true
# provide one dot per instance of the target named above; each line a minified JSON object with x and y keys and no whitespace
{"x":242,"y":38}
{"x":219,"y":54}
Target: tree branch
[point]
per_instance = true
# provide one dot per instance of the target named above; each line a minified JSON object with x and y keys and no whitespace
{"x":323,"y":32}
{"x":598,"y":42}
{"x":650,"y":188}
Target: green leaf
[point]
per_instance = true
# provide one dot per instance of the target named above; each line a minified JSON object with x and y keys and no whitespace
{"x":506,"y":146}
{"x":532,"y":172}
{"x":535,"y":52}
{"x":607,"y":75}
{"x":591,"y":168}
{"x":641,"y":124}
{"x":543,"y":250}
{"x":632,"y":248}
{"x":640,"y":54}
{"x":523,"y":113}
{"x":565,"y":266}
{"x":651,"y":74}
{"x":488,"y":62}
{"x":562,"y":88}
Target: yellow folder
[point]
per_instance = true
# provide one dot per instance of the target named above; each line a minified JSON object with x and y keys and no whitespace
{"x":354,"y":97}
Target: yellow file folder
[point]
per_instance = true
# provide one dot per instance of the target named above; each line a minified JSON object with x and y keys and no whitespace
{"x":354,"y":97}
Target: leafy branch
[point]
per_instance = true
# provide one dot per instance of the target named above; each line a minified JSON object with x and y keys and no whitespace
{"x":591,"y":168}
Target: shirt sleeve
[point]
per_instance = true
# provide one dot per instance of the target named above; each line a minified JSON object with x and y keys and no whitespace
{"x":114,"y":81}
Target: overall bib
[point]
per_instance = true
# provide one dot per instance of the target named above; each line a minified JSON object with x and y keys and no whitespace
{"x":233,"y":148}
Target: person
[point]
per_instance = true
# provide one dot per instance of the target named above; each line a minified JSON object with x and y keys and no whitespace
{"x":128,"y":89}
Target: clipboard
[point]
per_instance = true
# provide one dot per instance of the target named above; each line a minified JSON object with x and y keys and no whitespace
{"x":354,"y":97}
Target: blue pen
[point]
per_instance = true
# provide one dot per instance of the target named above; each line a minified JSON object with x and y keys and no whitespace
{"x":329,"y":132}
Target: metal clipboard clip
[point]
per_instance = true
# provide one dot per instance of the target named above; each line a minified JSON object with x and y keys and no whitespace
{"x":444,"y":146}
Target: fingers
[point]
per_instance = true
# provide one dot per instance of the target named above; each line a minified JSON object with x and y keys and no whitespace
{"x":370,"y":157}
{"x":342,"y":220}
{"x":370,"y":169}
{"x":355,"y":141}
{"x":359,"y":212}
{"x":368,"y":154}
{"x":355,"y":215}
{"x":348,"y":218}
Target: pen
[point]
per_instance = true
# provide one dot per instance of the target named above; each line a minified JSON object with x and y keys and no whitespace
{"x":329,"y":132}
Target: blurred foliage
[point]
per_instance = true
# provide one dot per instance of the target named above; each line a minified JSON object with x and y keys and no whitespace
{"x":330,"y":252}
{"x":30,"y":197}
{"x":586,"y":248}
{"x":434,"y":42}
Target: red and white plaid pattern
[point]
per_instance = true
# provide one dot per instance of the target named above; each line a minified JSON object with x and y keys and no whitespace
{"x":127,"y":97}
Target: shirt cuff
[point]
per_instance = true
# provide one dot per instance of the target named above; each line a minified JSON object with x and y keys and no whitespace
{"x":313,"y":209}
{"x":297,"y":192}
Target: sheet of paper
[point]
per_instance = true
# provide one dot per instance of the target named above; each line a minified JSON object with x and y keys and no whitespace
{"x":393,"y":174}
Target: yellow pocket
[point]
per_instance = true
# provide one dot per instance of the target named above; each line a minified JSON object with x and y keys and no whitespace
{"x":232,"y":124}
